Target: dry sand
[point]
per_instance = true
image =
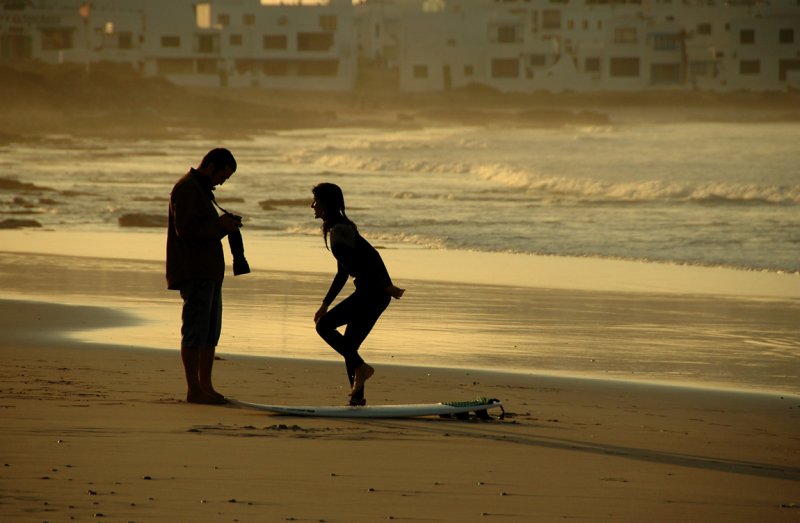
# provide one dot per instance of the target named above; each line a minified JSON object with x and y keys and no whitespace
{"x":100,"y":432}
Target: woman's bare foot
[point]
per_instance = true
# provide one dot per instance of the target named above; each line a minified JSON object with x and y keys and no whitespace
{"x":360,"y":376}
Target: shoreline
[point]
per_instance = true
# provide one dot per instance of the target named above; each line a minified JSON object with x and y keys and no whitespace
{"x":61,"y":320}
{"x":636,"y":332}
{"x":301,"y":254}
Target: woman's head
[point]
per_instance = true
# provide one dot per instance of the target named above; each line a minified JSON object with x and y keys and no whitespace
{"x":328,"y":205}
{"x":328,"y":201}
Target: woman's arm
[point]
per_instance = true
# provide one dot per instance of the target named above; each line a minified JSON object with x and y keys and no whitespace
{"x":336,"y":286}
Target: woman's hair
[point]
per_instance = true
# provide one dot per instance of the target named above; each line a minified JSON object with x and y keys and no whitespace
{"x":330,"y":196}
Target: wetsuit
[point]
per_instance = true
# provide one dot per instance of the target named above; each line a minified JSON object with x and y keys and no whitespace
{"x":359,"y":311}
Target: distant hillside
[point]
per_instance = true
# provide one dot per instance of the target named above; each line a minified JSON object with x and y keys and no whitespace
{"x":116,"y":101}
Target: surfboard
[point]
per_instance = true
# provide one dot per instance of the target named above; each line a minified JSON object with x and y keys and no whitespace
{"x":479,"y":407}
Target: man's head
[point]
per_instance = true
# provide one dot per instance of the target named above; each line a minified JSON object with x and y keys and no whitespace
{"x":218,"y":165}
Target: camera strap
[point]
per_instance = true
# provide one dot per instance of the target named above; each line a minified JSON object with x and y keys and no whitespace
{"x":214,"y":201}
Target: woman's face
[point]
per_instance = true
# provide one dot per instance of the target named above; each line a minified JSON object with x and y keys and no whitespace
{"x":319,"y":209}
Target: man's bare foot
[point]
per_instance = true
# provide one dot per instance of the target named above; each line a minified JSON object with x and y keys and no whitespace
{"x":361,"y":375}
{"x":210,"y":392}
{"x":206,"y":399}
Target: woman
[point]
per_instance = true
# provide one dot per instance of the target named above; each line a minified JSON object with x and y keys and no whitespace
{"x":374,"y":289}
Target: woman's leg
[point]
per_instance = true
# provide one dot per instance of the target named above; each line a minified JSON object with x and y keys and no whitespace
{"x":360,"y":312}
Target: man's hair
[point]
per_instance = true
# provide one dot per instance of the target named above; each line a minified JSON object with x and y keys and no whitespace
{"x":220,"y":157}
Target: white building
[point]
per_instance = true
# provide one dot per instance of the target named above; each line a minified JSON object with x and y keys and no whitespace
{"x":586,"y":45}
{"x":286,"y":45}
{"x":55,"y":32}
{"x":509,"y":45}
{"x":244,"y":43}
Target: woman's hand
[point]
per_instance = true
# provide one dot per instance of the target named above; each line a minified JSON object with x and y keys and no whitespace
{"x":320,"y":312}
{"x":395,"y":292}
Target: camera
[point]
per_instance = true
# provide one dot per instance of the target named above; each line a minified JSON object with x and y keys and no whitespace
{"x":240,"y":265}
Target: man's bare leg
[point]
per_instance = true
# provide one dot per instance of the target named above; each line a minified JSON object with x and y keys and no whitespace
{"x":195,"y":366}
{"x":195,"y":393}
{"x":206,"y":365}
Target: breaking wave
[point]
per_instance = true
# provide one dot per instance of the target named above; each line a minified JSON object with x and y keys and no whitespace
{"x":564,"y":187}
{"x":592,"y":190}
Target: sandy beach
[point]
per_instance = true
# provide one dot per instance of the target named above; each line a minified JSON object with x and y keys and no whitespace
{"x":102,"y":432}
{"x":95,"y":425}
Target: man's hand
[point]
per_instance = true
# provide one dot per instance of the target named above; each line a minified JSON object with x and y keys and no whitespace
{"x":229,"y":222}
{"x":395,"y":292}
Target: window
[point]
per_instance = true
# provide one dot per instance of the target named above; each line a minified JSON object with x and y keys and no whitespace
{"x":704,"y":29}
{"x":591,"y":65}
{"x":551,"y":19}
{"x":433,"y":6}
{"x":505,"y":68}
{"x":585,"y":25}
{"x":506,"y":34}
{"x":207,"y":43}
{"x":318,"y":68}
{"x":245,"y":66}
{"x":327,"y":23}
{"x":624,"y":67}
{"x":202,"y":13}
{"x":625,"y":35}
{"x":224,"y":19}
{"x":56,"y":39}
{"x":420,"y":72}
{"x":786,"y":36}
{"x":125,"y":40}
{"x":666,"y":42}
{"x":314,"y":41}
{"x":537,"y":60}
{"x":750,"y":67}
{"x":249,"y":19}
{"x":275,"y":67}
{"x":786,"y":66}
{"x":275,"y":41}
{"x":207,"y":66}
{"x":702,"y":68}
{"x":747,"y":36}
{"x":170,"y":41}
{"x":570,"y":24}
{"x":235,"y":40}
{"x":469,"y":70}
{"x":665,"y":74}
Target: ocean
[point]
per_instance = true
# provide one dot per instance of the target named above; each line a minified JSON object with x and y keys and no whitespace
{"x":709,"y":194}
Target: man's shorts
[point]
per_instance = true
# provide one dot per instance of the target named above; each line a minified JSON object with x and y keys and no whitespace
{"x":202,"y":313}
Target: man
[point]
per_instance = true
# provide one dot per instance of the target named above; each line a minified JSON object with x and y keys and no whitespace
{"x":196,"y":266}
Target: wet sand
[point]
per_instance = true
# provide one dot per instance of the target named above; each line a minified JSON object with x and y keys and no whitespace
{"x":698,"y":326}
